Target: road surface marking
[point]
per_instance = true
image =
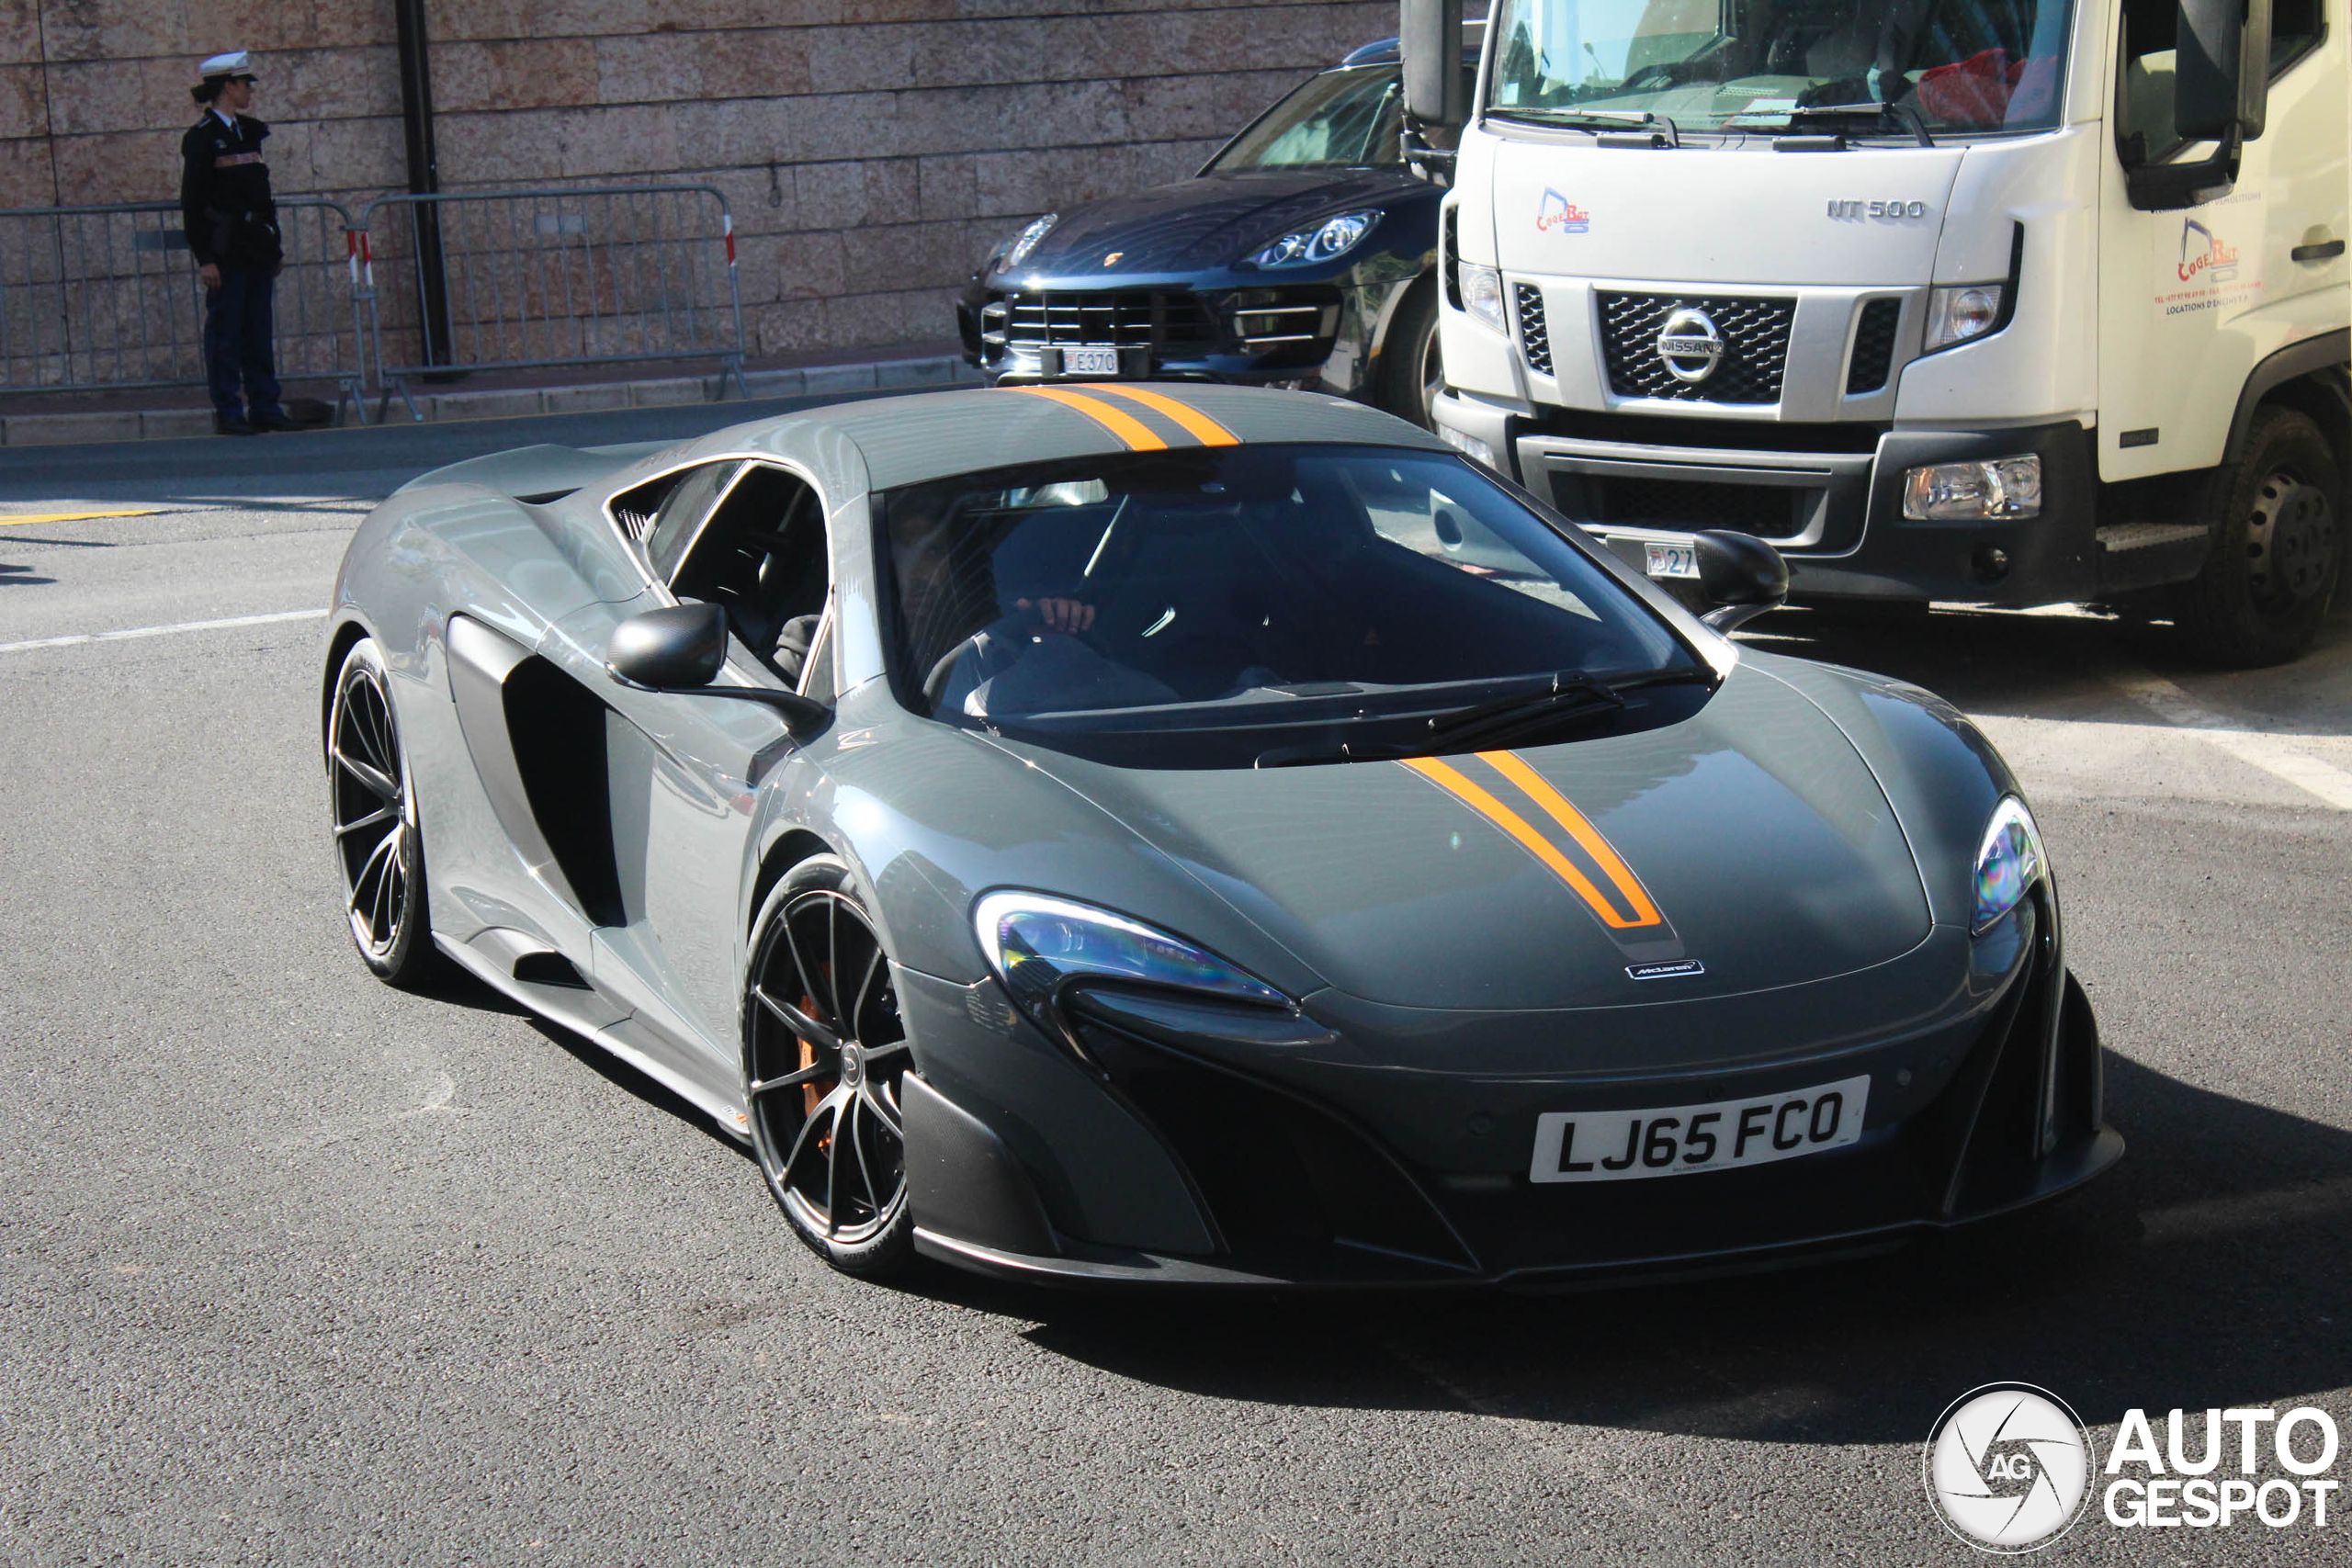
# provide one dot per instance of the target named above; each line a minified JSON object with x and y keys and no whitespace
{"x":79,"y":637}
{"x":12,"y":522}
{"x":2271,"y":753}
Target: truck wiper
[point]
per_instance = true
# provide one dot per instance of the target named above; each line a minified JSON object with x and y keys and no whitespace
{"x":1595,"y":119}
{"x":1904,"y":115}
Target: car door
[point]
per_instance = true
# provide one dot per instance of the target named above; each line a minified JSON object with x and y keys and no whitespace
{"x":686,"y":770}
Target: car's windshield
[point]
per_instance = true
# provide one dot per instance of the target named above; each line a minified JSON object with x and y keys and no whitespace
{"x":1955,"y":67}
{"x":1241,"y":587}
{"x":1339,"y":119}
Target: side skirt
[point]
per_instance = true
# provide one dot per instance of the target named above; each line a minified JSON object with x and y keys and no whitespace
{"x":730,"y":1117}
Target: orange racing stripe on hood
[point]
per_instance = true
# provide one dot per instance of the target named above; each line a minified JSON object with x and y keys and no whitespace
{"x":1203,"y":429}
{"x":1612,"y":865}
{"x":1127,"y":427}
{"x":1459,"y":785}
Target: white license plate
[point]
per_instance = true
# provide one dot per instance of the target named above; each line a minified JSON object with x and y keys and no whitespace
{"x":1672,"y":560}
{"x":1628,"y":1145}
{"x":1090,"y":362}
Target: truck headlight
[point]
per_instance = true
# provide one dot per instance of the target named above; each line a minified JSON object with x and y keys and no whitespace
{"x":1027,"y":241}
{"x":1039,"y":946}
{"x":1482,"y":294}
{"x":2008,"y":862}
{"x":1962,"y":314}
{"x":1469,"y":446}
{"x":1998,"y":489}
{"x":1334,"y":237}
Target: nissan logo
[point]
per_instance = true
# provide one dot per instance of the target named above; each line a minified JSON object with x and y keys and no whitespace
{"x":1689,"y":345}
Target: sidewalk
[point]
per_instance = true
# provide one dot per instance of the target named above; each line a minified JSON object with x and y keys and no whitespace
{"x":31,"y":420}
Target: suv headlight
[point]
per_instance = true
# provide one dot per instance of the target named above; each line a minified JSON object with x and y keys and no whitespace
{"x":1041,"y":947}
{"x":1027,"y":241}
{"x":1333,"y":237}
{"x":1962,"y":314}
{"x":2008,"y":862}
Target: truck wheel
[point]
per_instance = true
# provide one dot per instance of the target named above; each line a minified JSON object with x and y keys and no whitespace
{"x":2273,"y":566}
{"x":1412,"y":374}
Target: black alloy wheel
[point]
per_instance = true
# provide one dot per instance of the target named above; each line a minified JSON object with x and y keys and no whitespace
{"x":2280,"y":551}
{"x":824,"y":1055}
{"x":372,"y":806}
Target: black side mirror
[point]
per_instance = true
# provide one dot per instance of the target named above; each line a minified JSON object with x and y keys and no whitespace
{"x":2221,"y":69}
{"x":1429,"y":34}
{"x":680,"y":649}
{"x":1739,"y":575}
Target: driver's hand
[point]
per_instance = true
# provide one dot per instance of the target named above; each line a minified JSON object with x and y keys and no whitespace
{"x":1061,"y":615}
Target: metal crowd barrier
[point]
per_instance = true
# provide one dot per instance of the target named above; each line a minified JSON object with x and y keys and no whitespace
{"x":601,"y":275}
{"x":106,"y":299}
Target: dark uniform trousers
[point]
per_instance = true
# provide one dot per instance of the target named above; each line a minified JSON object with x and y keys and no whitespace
{"x":238,"y":343}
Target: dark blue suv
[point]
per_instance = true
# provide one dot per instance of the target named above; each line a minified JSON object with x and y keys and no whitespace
{"x":1302,"y":255}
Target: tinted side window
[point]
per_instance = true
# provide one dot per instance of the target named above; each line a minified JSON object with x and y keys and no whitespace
{"x":682,"y":510}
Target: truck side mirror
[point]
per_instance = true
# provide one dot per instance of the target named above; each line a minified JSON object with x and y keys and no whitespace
{"x":2221,"y":69}
{"x":1740,"y":577}
{"x":1429,"y":34}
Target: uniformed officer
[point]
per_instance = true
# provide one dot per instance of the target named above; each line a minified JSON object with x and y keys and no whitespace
{"x":232,"y":228}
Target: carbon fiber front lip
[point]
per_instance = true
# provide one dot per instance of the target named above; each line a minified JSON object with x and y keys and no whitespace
{"x":2064,"y":1172}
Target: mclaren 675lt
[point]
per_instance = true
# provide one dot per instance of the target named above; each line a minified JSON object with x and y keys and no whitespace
{"x":1201,"y":835}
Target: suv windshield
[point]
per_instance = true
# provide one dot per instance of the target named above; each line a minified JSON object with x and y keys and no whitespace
{"x":1952,"y":66}
{"x":1339,"y":119}
{"x":1206,"y":606}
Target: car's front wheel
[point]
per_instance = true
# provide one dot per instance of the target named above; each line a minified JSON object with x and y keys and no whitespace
{"x":1414,"y":373}
{"x":371,"y":802}
{"x":824,"y":1053}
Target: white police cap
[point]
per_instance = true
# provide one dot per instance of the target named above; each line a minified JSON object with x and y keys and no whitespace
{"x":236,"y":63}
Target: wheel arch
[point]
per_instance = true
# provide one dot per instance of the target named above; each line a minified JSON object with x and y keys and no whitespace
{"x":791,"y":847}
{"x":347,"y":634}
{"x":2309,"y":377}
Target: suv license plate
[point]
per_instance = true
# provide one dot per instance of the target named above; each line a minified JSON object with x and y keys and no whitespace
{"x":1090,"y":362}
{"x":1627,"y":1145}
{"x":1673,"y":561}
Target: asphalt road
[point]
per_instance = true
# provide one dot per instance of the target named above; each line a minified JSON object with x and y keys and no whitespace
{"x":300,"y":1268}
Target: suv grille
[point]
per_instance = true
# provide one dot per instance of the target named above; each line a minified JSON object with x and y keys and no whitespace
{"x":1770,"y":511}
{"x":1755,"y":348}
{"x":1534,"y":339}
{"x":1873,"y":346}
{"x":1129,"y":320}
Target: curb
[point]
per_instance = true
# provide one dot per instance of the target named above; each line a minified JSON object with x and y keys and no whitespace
{"x":517,"y":402}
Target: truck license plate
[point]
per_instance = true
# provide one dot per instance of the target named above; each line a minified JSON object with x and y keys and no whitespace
{"x":1673,"y":561}
{"x":1679,"y":1140}
{"x":1090,"y":362}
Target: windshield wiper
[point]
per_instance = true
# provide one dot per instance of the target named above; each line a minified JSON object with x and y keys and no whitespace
{"x":1595,"y":119}
{"x":1904,"y":115}
{"x":1572,"y":697}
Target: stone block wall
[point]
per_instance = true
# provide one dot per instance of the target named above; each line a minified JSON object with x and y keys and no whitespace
{"x":871,"y":150}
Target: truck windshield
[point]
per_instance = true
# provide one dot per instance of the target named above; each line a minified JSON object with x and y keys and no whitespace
{"x":1957,"y":67}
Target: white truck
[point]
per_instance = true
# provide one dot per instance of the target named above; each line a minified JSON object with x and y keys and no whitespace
{"x":1994,"y":302}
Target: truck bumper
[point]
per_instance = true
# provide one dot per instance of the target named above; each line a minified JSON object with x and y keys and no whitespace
{"x":1837,"y":516}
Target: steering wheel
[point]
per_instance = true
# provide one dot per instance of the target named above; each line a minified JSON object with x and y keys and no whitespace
{"x":985,"y":644}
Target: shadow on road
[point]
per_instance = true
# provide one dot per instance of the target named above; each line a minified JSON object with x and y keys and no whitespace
{"x":2207,"y":1270}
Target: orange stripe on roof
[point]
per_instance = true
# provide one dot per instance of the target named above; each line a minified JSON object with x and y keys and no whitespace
{"x":1204,"y":430}
{"x":1127,"y":427}
{"x":1455,"y":783}
{"x":1539,"y":789}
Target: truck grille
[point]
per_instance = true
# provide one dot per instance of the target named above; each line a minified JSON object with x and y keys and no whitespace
{"x":1129,"y":319}
{"x":1769,"y":512}
{"x":1534,"y":339}
{"x":1873,"y":346}
{"x":1755,"y":348}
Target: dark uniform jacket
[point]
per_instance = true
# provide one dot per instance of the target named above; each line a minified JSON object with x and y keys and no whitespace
{"x":224,"y":194}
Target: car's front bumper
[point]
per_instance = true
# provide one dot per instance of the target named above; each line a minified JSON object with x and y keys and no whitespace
{"x":1297,"y":1169}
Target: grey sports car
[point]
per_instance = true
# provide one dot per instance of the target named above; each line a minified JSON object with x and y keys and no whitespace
{"x":1200,"y":835}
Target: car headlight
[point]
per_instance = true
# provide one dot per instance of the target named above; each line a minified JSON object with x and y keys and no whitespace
{"x":1333,"y":237}
{"x":1040,"y":946}
{"x":1482,"y":294}
{"x":1956,"y":492}
{"x":1962,"y":314}
{"x":2008,"y":862}
{"x":1027,"y":241}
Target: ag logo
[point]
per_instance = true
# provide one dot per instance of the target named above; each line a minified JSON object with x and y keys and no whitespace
{"x":2008,"y":1467}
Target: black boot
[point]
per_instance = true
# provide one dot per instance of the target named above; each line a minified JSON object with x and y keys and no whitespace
{"x":276,"y":419}
{"x":222,"y":426}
